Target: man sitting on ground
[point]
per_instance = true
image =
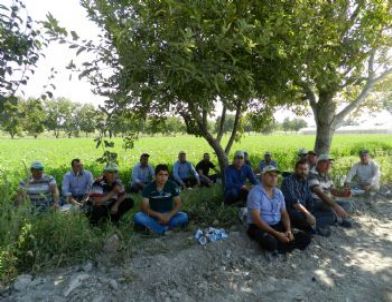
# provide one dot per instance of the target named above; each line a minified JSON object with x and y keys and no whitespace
{"x":324,"y":193}
{"x":299,"y":201}
{"x":312,"y":160}
{"x":108,"y":197}
{"x":76,"y":183}
{"x":203,"y":169}
{"x":160,"y":208}
{"x":366,"y":174}
{"x":184,"y":173}
{"x":269,"y":222}
{"x":236,"y":175}
{"x":39,"y":188}
{"x":142,"y":174}
{"x":267,"y":161}
{"x":246,"y":159}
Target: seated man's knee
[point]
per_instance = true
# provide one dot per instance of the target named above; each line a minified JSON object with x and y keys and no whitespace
{"x":268,"y":242}
{"x":140,"y":218}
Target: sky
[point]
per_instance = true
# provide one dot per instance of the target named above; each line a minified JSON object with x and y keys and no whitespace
{"x":71,"y":15}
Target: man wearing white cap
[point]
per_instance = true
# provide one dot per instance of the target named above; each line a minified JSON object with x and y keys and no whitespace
{"x":324,"y":194}
{"x":236,"y":175}
{"x":268,"y":220}
{"x":364,"y":176}
{"x":39,"y":188}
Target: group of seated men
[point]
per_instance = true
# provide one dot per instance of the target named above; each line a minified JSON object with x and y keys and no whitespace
{"x":307,"y":201}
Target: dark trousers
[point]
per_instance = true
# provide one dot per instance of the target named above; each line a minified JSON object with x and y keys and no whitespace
{"x":136,"y":187}
{"x":325,"y":216}
{"x":298,"y":220}
{"x":270,"y":243}
{"x":204,"y":180}
{"x":235,"y":196}
{"x":101,"y":213}
{"x":189,"y":182}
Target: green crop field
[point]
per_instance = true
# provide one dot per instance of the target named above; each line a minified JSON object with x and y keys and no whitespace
{"x":34,"y":243}
{"x":56,"y":154}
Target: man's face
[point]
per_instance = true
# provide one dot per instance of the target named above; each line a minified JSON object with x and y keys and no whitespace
{"x":109,"y":176}
{"x":270,"y":179}
{"x":239,"y":161}
{"x":182,"y":157}
{"x":162,"y":177}
{"x":37,"y":173}
{"x":77,"y":167}
{"x":364,"y":158}
{"x":323,"y":166}
{"x":144,"y":160}
{"x":302,"y":171}
{"x":312,"y":159}
{"x":267,"y":158}
{"x":206,"y":157}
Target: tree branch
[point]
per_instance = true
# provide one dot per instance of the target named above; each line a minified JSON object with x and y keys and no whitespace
{"x":221,"y":124}
{"x":235,"y":128}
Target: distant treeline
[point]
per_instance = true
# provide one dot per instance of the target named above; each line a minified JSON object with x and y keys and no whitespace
{"x":62,"y":117}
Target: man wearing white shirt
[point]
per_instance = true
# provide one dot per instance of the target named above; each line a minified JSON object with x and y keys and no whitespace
{"x":364,"y":175}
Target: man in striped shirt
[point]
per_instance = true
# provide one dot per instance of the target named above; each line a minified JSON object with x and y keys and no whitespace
{"x":39,"y":188}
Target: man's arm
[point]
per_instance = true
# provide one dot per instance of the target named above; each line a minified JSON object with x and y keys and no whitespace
{"x":291,"y":195}
{"x":176,"y":176}
{"x":229,"y":181}
{"x":330,"y":202}
{"x":55,"y":194}
{"x":193,"y":170}
{"x":145,"y":207}
{"x":262,"y":225}
{"x":351,"y":174}
{"x":251,"y":176}
{"x":135,"y":174}
{"x":376,"y":175}
{"x":65,"y":188}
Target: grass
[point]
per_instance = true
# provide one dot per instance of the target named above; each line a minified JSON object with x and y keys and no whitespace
{"x":34,"y":243}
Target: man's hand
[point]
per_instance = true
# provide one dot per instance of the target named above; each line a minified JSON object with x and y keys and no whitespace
{"x":310,"y":219}
{"x":289,"y":235}
{"x":164,"y":218}
{"x":340,"y":211}
{"x":283,"y":237}
{"x":114,"y":209}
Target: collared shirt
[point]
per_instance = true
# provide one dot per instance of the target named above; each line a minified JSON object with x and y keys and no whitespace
{"x":77,"y":185}
{"x":270,"y":207}
{"x":142,"y":174}
{"x":322,"y":181}
{"x":263,"y":164}
{"x":184,"y":170}
{"x":236,"y":178}
{"x":296,"y":191}
{"x":101,"y":188}
{"x":161,"y":201}
{"x":39,"y":190}
{"x":369,"y":173}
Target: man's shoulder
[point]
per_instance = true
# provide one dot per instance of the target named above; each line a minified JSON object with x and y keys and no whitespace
{"x":136,"y":166}
{"x":48,"y":178}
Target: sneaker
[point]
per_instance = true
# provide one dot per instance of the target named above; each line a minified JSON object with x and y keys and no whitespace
{"x":323,"y":231}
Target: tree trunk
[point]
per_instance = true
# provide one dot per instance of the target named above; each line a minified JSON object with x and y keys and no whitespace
{"x":324,"y":112}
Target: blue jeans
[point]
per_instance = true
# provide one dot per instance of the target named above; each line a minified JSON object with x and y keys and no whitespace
{"x":178,"y":220}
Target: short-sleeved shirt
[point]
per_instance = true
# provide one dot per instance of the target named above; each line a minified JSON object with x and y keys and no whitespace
{"x":323,"y":181}
{"x":101,"y":188}
{"x":205,"y":166}
{"x":39,"y":190}
{"x":161,"y":201}
{"x":296,"y":191}
{"x":270,"y":207}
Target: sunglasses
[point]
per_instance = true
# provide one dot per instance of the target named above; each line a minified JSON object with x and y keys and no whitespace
{"x":37,"y":169}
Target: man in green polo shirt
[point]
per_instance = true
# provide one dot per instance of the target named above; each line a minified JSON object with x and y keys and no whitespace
{"x":160,"y":209}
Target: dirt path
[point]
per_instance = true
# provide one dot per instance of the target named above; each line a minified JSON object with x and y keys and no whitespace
{"x":351,"y":265}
